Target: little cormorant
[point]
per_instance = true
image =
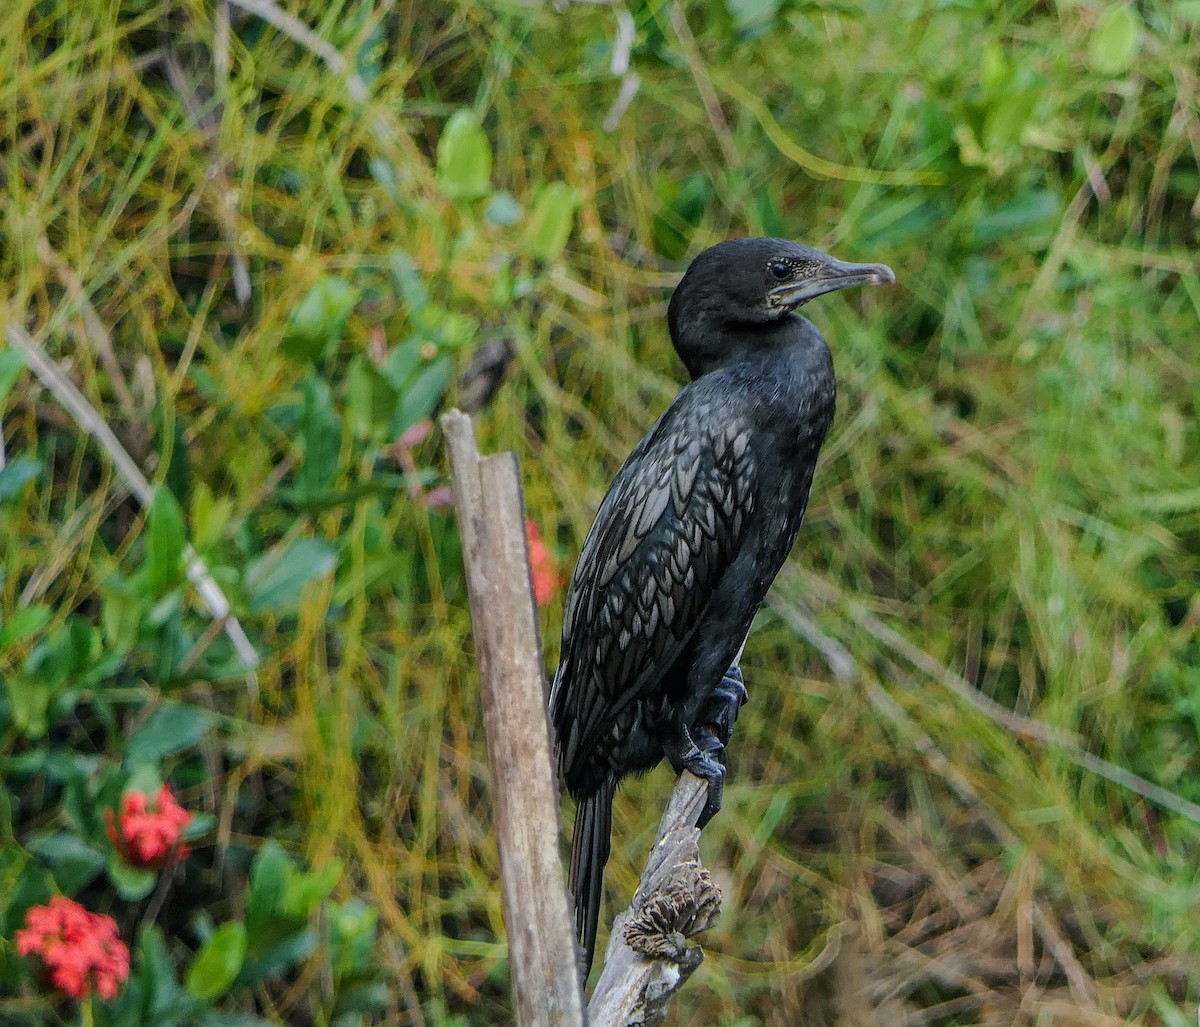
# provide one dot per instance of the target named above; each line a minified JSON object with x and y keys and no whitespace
{"x":689,"y":537}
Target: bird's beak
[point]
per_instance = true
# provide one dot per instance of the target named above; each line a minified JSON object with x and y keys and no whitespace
{"x":832,"y":274}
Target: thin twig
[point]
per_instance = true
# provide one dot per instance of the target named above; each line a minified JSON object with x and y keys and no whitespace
{"x":630,"y":84}
{"x":220,"y":49}
{"x":839,"y":660}
{"x":86,"y":416}
{"x":1070,"y":745}
{"x":704,"y":85}
{"x":298,"y":32}
{"x":165,"y":880}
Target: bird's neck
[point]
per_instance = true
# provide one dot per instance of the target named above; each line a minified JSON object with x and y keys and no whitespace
{"x":709,"y":345}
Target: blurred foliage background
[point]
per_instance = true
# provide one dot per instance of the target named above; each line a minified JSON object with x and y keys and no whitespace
{"x":266,"y":242}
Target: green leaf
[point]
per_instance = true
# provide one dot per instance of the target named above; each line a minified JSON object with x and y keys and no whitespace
{"x":175,"y":462}
{"x":683,"y":204}
{"x":121,"y":615}
{"x":370,"y":398}
{"x":321,"y":432}
{"x":25,"y":883}
{"x":171,"y":728}
{"x":359,"y":998}
{"x":17,"y":474}
{"x":132,"y":883}
{"x":409,"y":283}
{"x":165,"y":541}
{"x":83,"y":647}
{"x":402,"y":363}
{"x":319,"y":319}
{"x":898,"y":221}
{"x":464,"y":158}
{"x":202,"y":824}
{"x":551,"y":221}
{"x":216,"y":966}
{"x":995,"y":71}
{"x":271,"y":930}
{"x":275,"y":581}
{"x":269,"y":875}
{"x":296,"y":944}
{"x":305,"y":891}
{"x":23,"y":623}
{"x":29,"y":700}
{"x":369,"y":60}
{"x":12,"y":363}
{"x":422,"y":395}
{"x":769,"y":217}
{"x":1011,"y":113}
{"x":72,"y":862}
{"x":156,"y":974}
{"x":145,"y":778}
{"x":209,"y":517}
{"x":1115,"y":40}
{"x":453,"y":329}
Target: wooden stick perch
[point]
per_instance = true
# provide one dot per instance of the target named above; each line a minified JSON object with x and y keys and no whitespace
{"x":648,"y":957}
{"x":487,"y":495}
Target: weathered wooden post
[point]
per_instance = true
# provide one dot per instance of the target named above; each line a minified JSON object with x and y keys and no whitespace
{"x":491,"y":518}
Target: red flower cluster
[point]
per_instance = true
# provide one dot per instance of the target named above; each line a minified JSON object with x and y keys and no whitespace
{"x":147,"y":837}
{"x":79,"y":950}
{"x":541,"y":564}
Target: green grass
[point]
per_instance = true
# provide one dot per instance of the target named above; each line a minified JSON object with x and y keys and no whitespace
{"x":1010,"y":484}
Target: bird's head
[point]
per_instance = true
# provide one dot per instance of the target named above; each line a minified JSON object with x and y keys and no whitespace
{"x":753,"y":282}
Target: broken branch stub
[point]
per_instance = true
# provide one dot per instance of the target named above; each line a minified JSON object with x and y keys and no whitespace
{"x":648,"y":957}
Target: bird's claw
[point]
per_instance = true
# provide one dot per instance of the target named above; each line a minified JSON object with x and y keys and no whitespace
{"x":702,"y":750}
{"x":704,"y":757}
{"x":717,"y":716}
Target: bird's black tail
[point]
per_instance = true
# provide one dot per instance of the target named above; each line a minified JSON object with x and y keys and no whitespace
{"x":590,"y":847}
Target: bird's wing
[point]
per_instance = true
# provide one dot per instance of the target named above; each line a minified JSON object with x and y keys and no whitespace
{"x":666,"y":532}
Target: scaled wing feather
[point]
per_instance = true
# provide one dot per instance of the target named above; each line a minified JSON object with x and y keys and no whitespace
{"x":664,"y":536}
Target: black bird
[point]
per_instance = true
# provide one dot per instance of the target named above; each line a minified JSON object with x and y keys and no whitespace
{"x":689,"y":537}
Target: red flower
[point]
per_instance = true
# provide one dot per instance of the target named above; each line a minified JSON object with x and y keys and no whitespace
{"x":541,"y":564}
{"x":147,"y":838}
{"x":79,"y":950}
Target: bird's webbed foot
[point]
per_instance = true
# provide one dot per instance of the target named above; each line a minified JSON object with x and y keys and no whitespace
{"x":704,"y":757}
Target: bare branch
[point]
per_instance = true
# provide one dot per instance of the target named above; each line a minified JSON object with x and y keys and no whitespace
{"x":648,"y":957}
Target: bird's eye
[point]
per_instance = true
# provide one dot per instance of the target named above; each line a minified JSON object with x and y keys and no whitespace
{"x":781,"y":269}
